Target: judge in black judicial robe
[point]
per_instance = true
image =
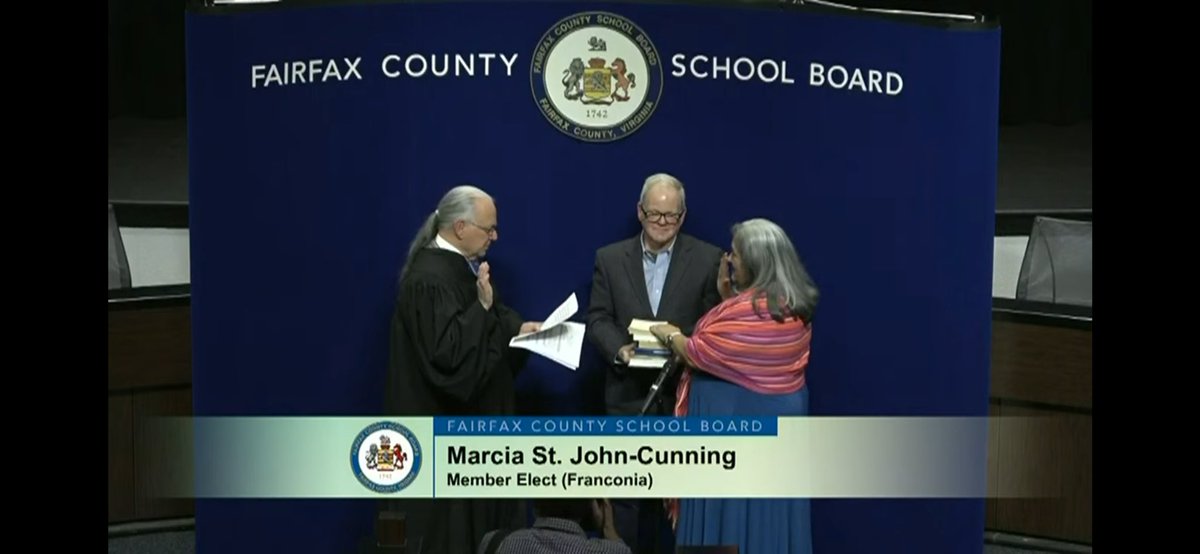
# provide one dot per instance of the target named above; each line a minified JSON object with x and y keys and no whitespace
{"x":450,"y":356}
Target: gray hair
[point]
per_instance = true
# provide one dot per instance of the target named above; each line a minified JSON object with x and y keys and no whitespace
{"x":666,"y":179}
{"x":458,"y":204}
{"x":774,"y":270}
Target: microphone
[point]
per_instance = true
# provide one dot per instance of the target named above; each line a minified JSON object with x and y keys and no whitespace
{"x":656,"y":388}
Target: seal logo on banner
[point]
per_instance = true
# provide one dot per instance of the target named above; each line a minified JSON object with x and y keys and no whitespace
{"x":386,"y":457}
{"x":596,"y":76}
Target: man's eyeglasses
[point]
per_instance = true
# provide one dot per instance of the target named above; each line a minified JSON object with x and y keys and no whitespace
{"x":489,"y":230}
{"x":662,"y":217}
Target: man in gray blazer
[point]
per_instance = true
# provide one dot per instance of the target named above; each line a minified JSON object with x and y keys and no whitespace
{"x":662,"y":275}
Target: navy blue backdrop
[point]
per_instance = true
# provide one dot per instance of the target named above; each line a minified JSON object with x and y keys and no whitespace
{"x":304,"y":199}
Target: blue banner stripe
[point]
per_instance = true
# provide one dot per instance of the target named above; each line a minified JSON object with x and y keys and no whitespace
{"x":606,"y":426}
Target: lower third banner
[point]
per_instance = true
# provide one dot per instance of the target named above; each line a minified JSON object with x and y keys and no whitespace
{"x":529,"y":457}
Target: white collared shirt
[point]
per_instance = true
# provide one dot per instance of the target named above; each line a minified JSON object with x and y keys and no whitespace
{"x":444,"y":244}
{"x":439,"y":242}
{"x":654,"y":267}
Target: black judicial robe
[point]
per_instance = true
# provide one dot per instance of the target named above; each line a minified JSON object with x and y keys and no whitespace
{"x":450,"y":356}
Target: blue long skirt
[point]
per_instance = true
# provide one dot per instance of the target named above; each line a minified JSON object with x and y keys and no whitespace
{"x":756,"y":526}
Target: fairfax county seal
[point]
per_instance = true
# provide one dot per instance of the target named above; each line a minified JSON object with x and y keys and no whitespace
{"x":596,"y":76}
{"x":386,"y":457}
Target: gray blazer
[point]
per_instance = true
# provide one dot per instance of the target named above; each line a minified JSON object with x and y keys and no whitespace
{"x":619,"y":295}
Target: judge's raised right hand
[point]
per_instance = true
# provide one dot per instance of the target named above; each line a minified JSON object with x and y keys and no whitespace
{"x":484,"y":284}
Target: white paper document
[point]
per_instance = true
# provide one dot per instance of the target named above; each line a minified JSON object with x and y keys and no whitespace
{"x":559,"y":340}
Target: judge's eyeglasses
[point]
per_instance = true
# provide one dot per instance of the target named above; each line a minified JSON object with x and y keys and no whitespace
{"x":489,"y":230}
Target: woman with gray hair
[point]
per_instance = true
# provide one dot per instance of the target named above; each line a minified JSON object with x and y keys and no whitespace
{"x":747,"y":356}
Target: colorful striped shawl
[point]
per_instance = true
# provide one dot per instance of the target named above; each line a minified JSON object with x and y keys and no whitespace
{"x":734,"y":343}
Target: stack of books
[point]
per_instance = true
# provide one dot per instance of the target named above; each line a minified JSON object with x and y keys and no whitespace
{"x":649,"y":352}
